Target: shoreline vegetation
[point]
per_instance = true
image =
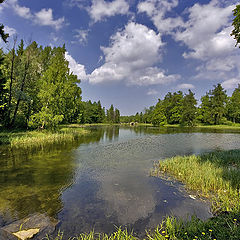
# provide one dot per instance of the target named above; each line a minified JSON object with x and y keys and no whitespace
{"x":214,"y":176}
{"x":67,"y":133}
{"x":40,"y":138}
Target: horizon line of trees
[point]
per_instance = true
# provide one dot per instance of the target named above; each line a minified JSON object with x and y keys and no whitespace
{"x":178,"y":108}
{"x":38,"y":90}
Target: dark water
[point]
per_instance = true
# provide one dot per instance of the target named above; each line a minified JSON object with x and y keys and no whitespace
{"x":103,"y":180}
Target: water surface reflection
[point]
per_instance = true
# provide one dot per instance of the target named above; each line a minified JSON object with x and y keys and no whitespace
{"x":103,"y":179}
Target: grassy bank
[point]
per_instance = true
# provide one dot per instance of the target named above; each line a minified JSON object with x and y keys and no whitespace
{"x":18,"y":139}
{"x":234,"y":126}
{"x":224,"y":227}
{"x":215,"y":176}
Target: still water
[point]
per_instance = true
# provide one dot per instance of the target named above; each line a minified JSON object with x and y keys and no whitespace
{"x":103,"y":180}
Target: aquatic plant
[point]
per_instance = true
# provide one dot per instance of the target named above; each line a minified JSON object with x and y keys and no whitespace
{"x":214,"y":175}
{"x":19,"y":139}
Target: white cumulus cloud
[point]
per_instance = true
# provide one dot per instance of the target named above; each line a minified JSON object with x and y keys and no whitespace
{"x":9,"y":30}
{"x":76,"y":68}
{"x":207,"y":32}
{"x":230,"y":83}
{"x":131,"y":57}
{"x":186,"y":86}
{"x":157,"y":10}
{"x":101,"y":9}
{"x":43,"y":18}
{"x":152,"y":92}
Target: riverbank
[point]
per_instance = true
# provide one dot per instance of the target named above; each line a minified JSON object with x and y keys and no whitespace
{"x":234,"y":126}
{"x":215,"y":176}
{"x":36,"y":138}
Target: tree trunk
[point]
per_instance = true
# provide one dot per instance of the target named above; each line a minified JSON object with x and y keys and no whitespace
{"x":19,"y":98}
{"x":11,"y":83}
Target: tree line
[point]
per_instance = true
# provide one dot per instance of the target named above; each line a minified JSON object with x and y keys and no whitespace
{"x":178,"y":108}
{"x":38,"y":90}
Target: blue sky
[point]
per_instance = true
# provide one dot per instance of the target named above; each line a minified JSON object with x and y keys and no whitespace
{"x":131,"y":52}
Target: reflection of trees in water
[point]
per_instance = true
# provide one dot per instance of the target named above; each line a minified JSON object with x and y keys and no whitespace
{"x":112,"y":132}
{"x":32,"y":180}
{"x":108,"y":132}
{"x":32,"y":183}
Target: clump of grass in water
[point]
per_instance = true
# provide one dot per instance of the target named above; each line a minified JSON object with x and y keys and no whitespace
{"x":215,"y":176}
{"x":41,"y":138}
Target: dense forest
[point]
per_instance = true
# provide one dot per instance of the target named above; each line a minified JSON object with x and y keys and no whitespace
{"x":178,"y":108}
{"x":38,"y":90}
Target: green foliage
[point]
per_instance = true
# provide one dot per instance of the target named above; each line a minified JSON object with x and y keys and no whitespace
{"x":91,"y":112}
{"x":113,"y":115}
{"x":236,"y":24}
{"x":173,"y":107}
{"x":233,"y":106}
{"x":117,"y":116}
{"x":189,"y":109}
{"x":3,"y":35}
{"x":158,"y":116}
{"x":39,"y":91}
{"x":45,"y":119}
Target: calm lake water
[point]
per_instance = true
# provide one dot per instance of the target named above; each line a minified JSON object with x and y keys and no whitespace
{"x":103,"y":180}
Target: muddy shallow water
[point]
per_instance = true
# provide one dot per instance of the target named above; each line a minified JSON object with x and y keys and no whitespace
{"x":103,"y":180}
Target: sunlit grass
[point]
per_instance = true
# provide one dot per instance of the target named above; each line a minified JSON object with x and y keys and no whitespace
{"x":18,"y":139}
{"x":215,"y":176}
{"x":120,"y":234}
{"x":218,"y":228}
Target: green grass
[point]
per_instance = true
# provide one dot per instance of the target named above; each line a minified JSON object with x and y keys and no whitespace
{"x":36,"y":138}
{"x":233,"y":126}
{"x":215,"y":176}
{"x":120,"y":234}
{"x":225,"y":227}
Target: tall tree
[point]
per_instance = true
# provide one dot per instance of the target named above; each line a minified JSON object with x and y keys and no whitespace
{"x":111,"y":115}
{"x":204,"y":112}
{"x":3,"y":35}
{"x":3,"y":90}
{"x":233,"y":106}
{"x":218,"y":101}
{"x":158,"y":116}
{"x":117,"y":116}
{"x":236,"y":25}
{"x":173,"y":107}
{"x":59,"y":92}
{"x":189,"y":109}
{"x":213,"y":106}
